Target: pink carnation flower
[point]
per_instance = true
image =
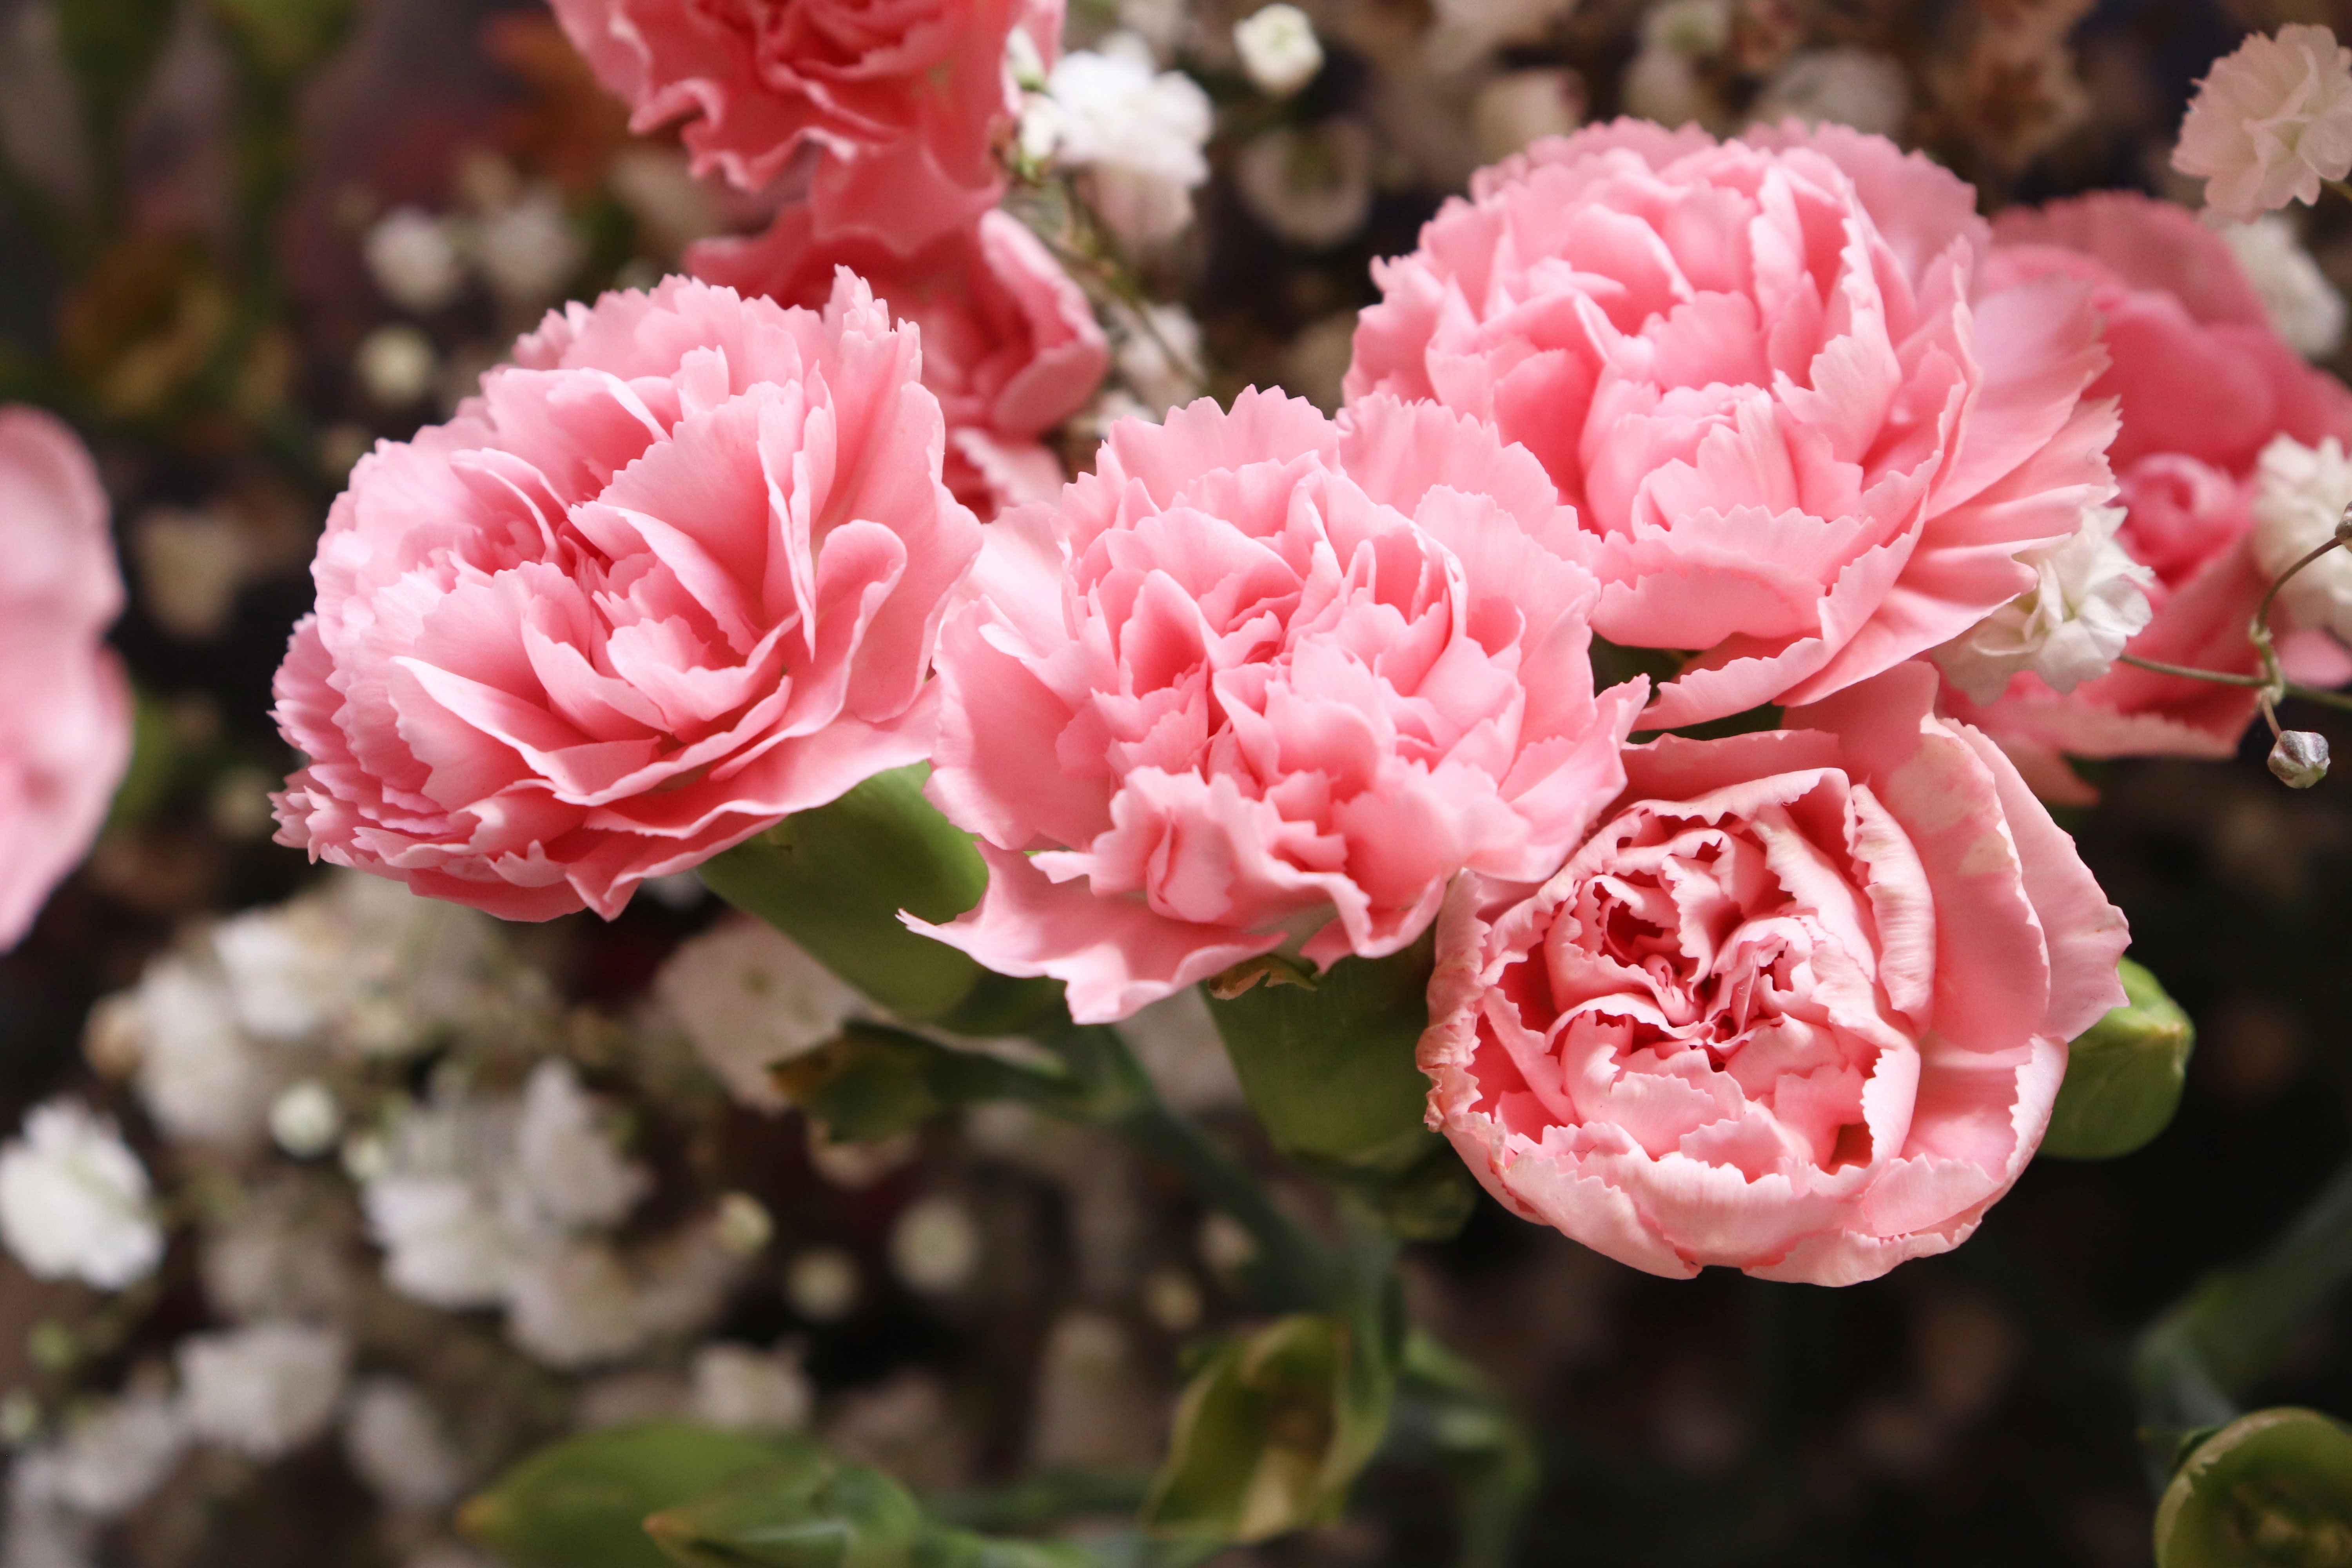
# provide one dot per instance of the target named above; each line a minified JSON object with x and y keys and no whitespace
{"x":65,"y":707}
{"x":1011,"y":347}
{"x":1799,"y":1007}
{"x":1798,"y":437}
{"x":2271,"y":121}
{"x":673,"y":576}
{"x":904,"y":101}
{"x":1261,"y":678}
{"x":2203,"y":384}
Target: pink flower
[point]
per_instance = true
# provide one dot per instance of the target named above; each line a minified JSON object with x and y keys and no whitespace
{"x":904,"y":101}
{"x":2271,"y":121}
{"x":65,"y":708}
{"x":2203,"y":384}
{"x":1011,"y":347}
{"x":1261,"y":678}
{"x":1798,"y":437}
{"x":675,"y":574}
{"x":1799,"y":1007}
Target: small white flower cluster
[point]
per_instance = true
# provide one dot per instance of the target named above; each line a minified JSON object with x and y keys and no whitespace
{"x":75,"y":1201}
{"x":517,"y":241}
{"x":241,"y":1032}
{"x":2300,"y":494}
{"x":2088,"y":599}
{"x":2304,"y":307}
{"x":1280,"y":53}
{"x":1134,"y":132}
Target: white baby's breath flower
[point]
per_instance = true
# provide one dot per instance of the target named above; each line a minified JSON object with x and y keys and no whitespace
{"x":264,"y":1390}
{"x":2300,"y":493}
{"x":1842,"y":85}
{"x":1523,"y":106}
{"x":199,"y":1075}
{"x":396,"y":365}
{"x":395,"y":1444}
{"x":1467,"y":30}
{"x":575,"y":1176}
{"x":527,"y":252}
{"x":748,"y":996}
{"x":413,"y":258}
{"x":2271,"y":121}
{"x":109,"y":1458}
{"x":1313,"y":187}
{"x":75,"y":1202}
{"x":574,"y":1305}
{"x":746,"y":1390}
{"x":439,"y":1207}
{"x":1662,"y":82}
{"x":306,"y":1120}
{"x":1280,"y":53}
{"x":935,"y":1246}
{"x":2304,"y":307}
{"x":1159,"y":356}
{"x":2089,"y":598}
{"x":1137,"y":133}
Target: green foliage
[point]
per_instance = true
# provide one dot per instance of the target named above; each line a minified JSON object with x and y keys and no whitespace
{"x":2272,"y":1490}
{"x":583,"y":1502}
{"x":1329,"y":1070}
{"x":1273,"y":1430}
{"x":286,"y":36}
{"x":874,"y":1082}
{"x":807,"y":1512}
{"x":2123,"y":1074}
{"x":112,"y":47}
{"x":835,"y":878}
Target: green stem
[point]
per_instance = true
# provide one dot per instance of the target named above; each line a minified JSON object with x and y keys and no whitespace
{"x":2194,"y":1362}
{"x":1291,"y":1272}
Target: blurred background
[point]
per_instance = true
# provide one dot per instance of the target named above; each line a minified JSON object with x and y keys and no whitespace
{"x":241,"y":240}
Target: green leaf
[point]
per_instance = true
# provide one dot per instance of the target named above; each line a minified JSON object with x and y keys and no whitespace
{"x":941,"y":1548}
{"x":112,"y":46}
{"x":1273,"y":1430}
{"x":835,"y":878}
{"x":286,"y":36}
{"x":2272,"y":1490}
{"x":1330,"y":1072}
{"x":583,"y":1502}
{"x":811,"y":1510}
{"x":2123,"y":1074}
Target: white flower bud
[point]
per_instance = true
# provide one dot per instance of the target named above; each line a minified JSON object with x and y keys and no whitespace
{"x":414,"y":261}
{"x":396,"y":366}
{"x":306,"y":1120}
{"x":1523,"y":106}
{"x":743,"y":1225}
{"x":2299,"y":758}
{"x":935,"y":1246}
{"x":1279,"y":49}
{"x":821,"y":1284}
{"x":2089,"y":598}
{"x":2300,"y":496}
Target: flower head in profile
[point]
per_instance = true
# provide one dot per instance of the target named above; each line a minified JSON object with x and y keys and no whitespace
{"x":904,"y":102}
{"x":673,"y":576}
{"x":1799,"y":1006}
{"x":2272,"y":121}
{"x":1263,"y":681}
{"x":65,"y":707}
{"x":1802,"y":441}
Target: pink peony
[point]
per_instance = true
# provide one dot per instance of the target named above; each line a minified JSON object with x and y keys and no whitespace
{"x":675,"y":574}
{"x":1799,"y":438}
{"x":1801,"y":1007}
{"x":2270,"y":121}
{"x":65,"y":708}
{"x":904,"y":99}
{"x":2203,"y":384}
{"x":1261,"y":678}
{"x":1010,"y":345}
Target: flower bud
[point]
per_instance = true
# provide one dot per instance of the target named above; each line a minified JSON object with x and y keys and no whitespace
{"x":1279,"y":50}
{"x":2300,"y":758}
{"x":2271,"y":1487}
{"x":2124,"y":1074}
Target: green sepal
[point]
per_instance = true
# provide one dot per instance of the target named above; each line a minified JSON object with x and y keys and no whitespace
{"x":2272,"y":1490}
{"x":811,"y":1510}
{"x":873,"y":1081}
{"x":1273,"y":1430}
{"x":583,"y":1502}
{"x":1330,"y":1070}
{"x":2124,"y":1074}
{"x":833,"y":879}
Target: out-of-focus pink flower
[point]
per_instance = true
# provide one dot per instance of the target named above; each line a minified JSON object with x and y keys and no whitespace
{"x":65,"y":707}
{"x":2203,"y":384}
{"x":1798,"y":436}
{"x":1011,"y":347}
{"x":1800,"y":1006}
{"x":2271,"y":121}
{"x":1261,"y":678}
{"x":673,"y":576}
{"x":904,"y":101}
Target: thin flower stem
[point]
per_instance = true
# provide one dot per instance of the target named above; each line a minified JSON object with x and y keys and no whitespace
{"x":2185,"y":672}
{"x":2271,"y":683}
